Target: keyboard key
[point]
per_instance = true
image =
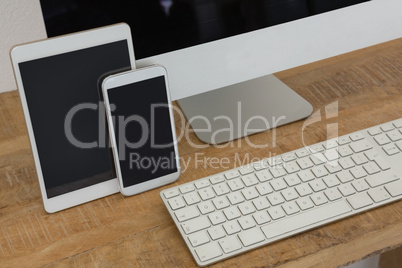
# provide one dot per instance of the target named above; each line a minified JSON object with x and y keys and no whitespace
{"x":290,"y":208}
{"x":305,"y":163}
{"x":221,"y":202}
{"x":250,"y":193}
{"x":216,"y":232}
{"x":360,"y":200}
{"x":187,"y":188}
{"x":345,"y":176}
{"x":235,"y":198}
{"x":231,"y":227}
{"x":186,"y":213}
{"x":288,"y":157}
{"x":261,"y":203}
{"x":221,"y":189}
{"x":194,"y":225}
{"x":391,"y":149}
{"x":380,"y":179}
{"x":358,"y":172}
{"x":198,"y":239}
{"x":229,"y":244}
{"x":346,"y":162}
{"x":275,"y":199}
{"x":378,"y":194}
{"x":333,"y":167}
{"x":330,"y":143}
{"x":319,"y":198}
{"x":387,"y":127}
{"x":246,"y":170}
{"x":291,"y":167}
{"x":346,"y":189}
{"x":359,"y":159}
{"x":261,"y":217}
{"x":319,"y":171}
{"x":344,"y":140}
{"x":176,"y":203}
{"x":356,"y":136}
{"x":206,"y":193}
{"x":278,"y":172}
{"x":333,"y":194}
{"x":217,"y":179}
{"x":289,"y":194}
{"x":171,"y":193}
{"x":202,"y":184}
{"x":306,"y":175}
{"x":305,"y":203}
{"x":251,"y":237}
{"x":264,"y":175}
{"x":360,"y":185}
{"x":394,"y":188}
{"x":316,"y":148}
{"x":394,"y":135}
{"x":375,"y":131}
{"x":331,"y":181}
{"x":371,"y":168}
{"x":246,"y":208}
{"x":317,"y":185}
{"x":246,"y":222}
{"x":331,"y":154}
{"x":232,"y":174}
{"x":305,"y":219}
{"x":345,"y":150}
{"x":318,"y":159}
{"x":360,"y":146}
{"x":235,"y":184}
{"x":276,"y":212}
{"x":249,"y":180}
{"x":304,"y":189}
{"x":292,"y":180}
{"x":264,"y":188}
{"x":206,"y":207}
{"x":382,"y":139}
{"x":192,"y":198}
{"x":216,"y":217}
{"x":231,"y":213}
{"x":208,"y":252}
{"x":278,"y":184}
{"x":302,"y":153}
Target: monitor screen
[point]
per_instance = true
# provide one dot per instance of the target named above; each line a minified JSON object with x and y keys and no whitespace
{"x":160,"y":26}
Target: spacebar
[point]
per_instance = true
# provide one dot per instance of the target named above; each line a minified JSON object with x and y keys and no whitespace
{"x":305,"y":219}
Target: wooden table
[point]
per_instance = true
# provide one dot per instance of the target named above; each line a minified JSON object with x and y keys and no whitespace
{"x":350,"y":92}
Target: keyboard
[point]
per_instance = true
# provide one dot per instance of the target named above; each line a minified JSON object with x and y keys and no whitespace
{"x":232,"y":212}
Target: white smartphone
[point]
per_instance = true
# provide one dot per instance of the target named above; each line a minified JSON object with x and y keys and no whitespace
{"x":141,"y":127}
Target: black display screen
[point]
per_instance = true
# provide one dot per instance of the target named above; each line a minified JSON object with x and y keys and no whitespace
{"x":160,"y":26}
{"x":143,"y":130}
{"x":67,"y":119}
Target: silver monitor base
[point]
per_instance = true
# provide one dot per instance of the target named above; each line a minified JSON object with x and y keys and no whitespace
{"x":243,"y":109}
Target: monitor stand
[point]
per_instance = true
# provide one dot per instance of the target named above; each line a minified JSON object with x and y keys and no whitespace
{"x":243,"y":109}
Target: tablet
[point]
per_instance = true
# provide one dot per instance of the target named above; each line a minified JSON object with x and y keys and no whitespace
{"x":58,"y":79}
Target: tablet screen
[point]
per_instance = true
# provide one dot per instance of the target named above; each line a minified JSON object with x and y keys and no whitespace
{"x":67,"y":119}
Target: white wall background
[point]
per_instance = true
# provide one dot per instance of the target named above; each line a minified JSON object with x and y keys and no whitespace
{"x":20,"y":22}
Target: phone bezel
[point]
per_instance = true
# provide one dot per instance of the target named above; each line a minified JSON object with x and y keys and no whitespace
{"x":127,"y":78}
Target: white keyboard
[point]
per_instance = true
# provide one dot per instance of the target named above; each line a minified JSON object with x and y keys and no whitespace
{"x":232,"y":212}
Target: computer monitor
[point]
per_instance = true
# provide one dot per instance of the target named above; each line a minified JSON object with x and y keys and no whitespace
{"x":220,"y":54}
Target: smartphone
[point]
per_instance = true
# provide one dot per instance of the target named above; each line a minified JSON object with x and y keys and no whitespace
{"x":141,"y":127}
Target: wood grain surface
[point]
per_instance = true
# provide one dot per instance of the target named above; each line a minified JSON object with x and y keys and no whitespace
{"x":349,"y":92}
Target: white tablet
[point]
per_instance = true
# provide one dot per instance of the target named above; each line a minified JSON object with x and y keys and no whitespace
{"x":58,"y":81}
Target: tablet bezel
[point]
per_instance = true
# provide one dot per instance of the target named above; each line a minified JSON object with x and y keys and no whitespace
{"x":55,"y":46}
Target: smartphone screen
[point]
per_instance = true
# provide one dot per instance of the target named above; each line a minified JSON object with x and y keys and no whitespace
{"x":143,"y":130}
